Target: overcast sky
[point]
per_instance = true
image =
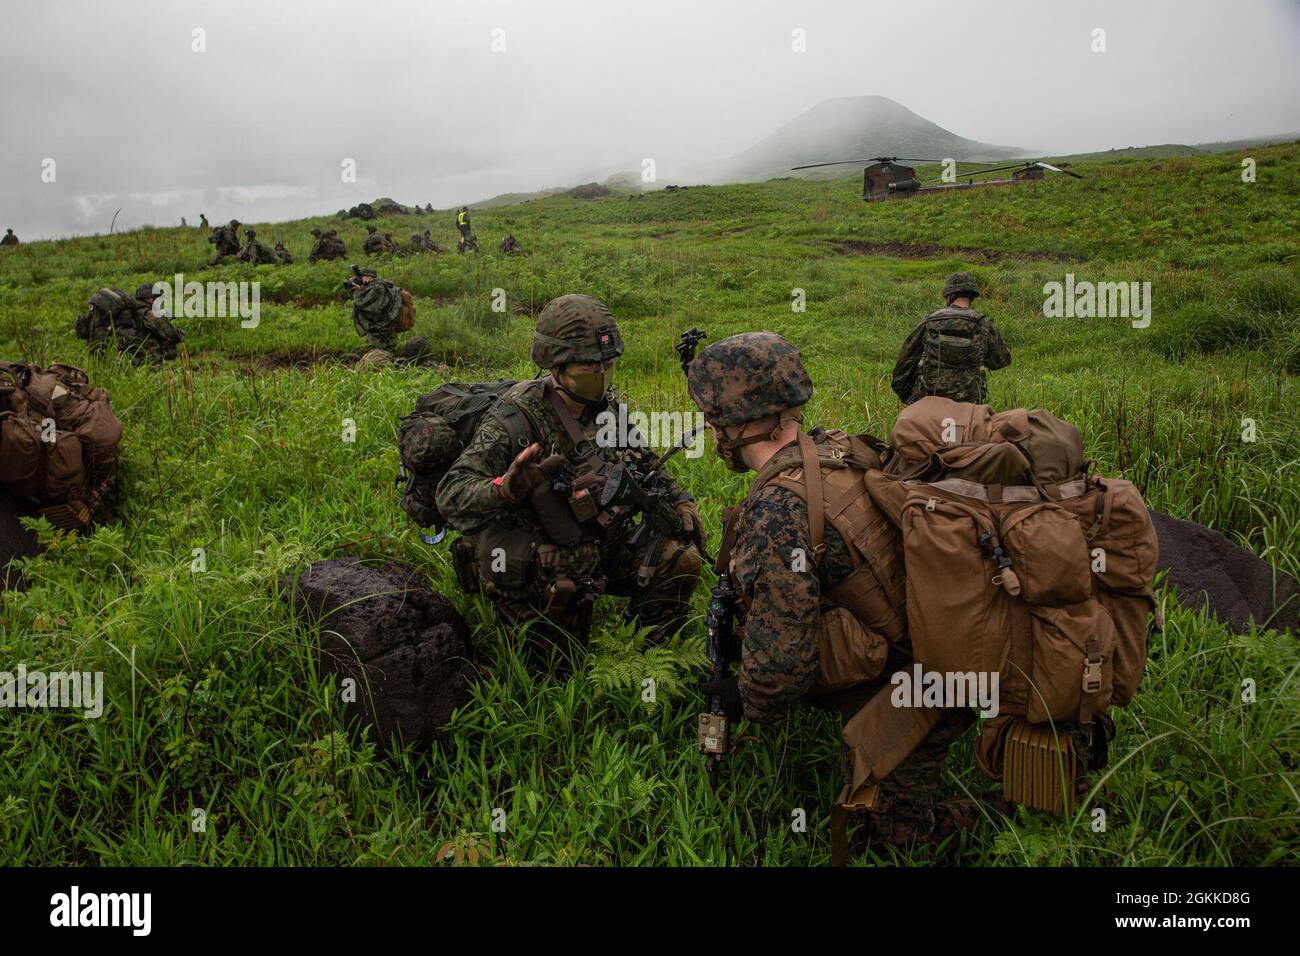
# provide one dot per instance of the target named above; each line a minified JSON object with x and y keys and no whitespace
{"x":258,"y":125}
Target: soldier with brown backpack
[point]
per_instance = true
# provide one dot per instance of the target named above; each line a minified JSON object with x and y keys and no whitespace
{"x":129,"y":324}
{"x":59,"y":441}
{"x":976,"y":545}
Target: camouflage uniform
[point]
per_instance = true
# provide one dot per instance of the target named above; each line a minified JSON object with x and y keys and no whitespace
{"x":283,"y":255}
{"x":746,"y":378}
{"x":327,"y":246}
{"x":226,"y":239}
{"x":255,"y":252}
{"x":203,"y":221}
{"x":376,"y":306}
{"x":129,"y":325}
{"x":510,"y":245}
{"x":948,"y":351}
{"x":9,"y":238}
{"x":424,"y":242}
{"x":376,"y":243}
{"x":538,"y":580}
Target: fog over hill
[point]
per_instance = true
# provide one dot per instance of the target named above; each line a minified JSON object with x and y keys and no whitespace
{"x":850,"y":127}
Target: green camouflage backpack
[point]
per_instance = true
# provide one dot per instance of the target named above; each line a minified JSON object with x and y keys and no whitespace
{"x":952,"y":358}
{"x":432,"y":437}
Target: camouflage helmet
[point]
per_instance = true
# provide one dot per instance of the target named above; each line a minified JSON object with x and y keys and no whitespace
{"x":961,"y":283}
{"x":316,"y":232}
{"x":747,"y":377}
{"x":575,"y":328}
{"x":250,"y":234}
{"x":146,"y":291}
{"x":370,"y":228}
{"x":236,"y":223}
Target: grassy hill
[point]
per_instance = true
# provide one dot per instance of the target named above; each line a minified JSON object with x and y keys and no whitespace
{"x":212,"y":699}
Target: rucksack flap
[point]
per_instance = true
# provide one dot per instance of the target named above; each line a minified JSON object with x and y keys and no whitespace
{"x":22,"y":455}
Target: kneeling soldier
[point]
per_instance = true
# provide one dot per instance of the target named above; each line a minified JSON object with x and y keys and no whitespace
{"x":547,"y":528}
{"x":820,"y":591}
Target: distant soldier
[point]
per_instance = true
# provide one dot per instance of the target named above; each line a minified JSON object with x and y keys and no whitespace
{"x":510,"y":246}
{"x":327,"y":246}
{"x":948,"y":351}
{"x":283,"y":254}
{"x":462,"y":222}
{"x":131,"y":325}
{"x":429,"y":208}
{"x":226,"y":239}
{"x":376,"y":243}
{"x":183,"y":222}
{"x":203,"y":221}
{"x":9,"y":238}
{"x":424,"y":243}
{"x":377,"y":314}
{"x":255,"y":252}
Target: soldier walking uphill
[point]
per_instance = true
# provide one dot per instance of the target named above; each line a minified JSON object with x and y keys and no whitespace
{"x":819,"y":582}
{"x":948,"y":351}
{"x":511,"y":513}
{"x":226,"y":239}
{"x":128,"y":324}
{"x":9,"y":238}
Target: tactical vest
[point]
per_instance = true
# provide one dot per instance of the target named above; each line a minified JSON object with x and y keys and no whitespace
{"x":864,"y":615}
{"x":952,"y":355}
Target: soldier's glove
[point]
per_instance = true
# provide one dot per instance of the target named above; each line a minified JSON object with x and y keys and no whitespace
{"x":728,"y":688}
{"x":692,"y":524}
{"x":522,"y":476}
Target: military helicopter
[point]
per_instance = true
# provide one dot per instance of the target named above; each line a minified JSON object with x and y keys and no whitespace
{"x":887,"y":178}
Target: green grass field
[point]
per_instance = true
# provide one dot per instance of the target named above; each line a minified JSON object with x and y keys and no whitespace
{"x":213,"y":701}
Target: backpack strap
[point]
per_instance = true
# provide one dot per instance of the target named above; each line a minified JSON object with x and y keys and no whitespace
{"x":812,"y":479}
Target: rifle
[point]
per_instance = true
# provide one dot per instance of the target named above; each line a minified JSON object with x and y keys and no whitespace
{"x":720,"y":621}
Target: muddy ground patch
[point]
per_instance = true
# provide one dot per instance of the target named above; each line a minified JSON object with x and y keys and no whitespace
{"x":904,"y":249}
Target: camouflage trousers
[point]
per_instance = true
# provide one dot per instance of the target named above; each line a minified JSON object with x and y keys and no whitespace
{"x":533,"y":581}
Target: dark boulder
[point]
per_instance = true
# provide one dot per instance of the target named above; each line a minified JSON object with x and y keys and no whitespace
{"x":1207,"y":569}
{"x":407,"y":647}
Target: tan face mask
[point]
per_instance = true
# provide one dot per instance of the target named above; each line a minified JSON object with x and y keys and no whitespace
{"x":587,"y":387}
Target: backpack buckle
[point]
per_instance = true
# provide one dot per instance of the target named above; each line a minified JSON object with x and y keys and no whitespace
{"x":1092,"y":676}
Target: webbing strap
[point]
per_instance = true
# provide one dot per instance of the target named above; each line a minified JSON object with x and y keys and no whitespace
{"x":729,"y":522}
{"x":812,"y":479}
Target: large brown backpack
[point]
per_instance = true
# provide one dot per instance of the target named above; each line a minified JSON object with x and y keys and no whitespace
{"x":59,"y":440}
{"x":1019,"y":563}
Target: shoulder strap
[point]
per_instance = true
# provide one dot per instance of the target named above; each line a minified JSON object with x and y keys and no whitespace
{"x":812,"y":478}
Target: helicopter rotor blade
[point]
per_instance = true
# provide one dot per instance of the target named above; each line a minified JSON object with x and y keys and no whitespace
{"x":842,"y":162}
{"x":1057,"y":169}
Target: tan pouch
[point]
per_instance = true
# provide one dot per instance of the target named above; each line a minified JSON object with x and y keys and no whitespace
{"x":1132,"y":615}
{"x":957,"y":617}
{"x":848,"y":653}
{"x":22,"y":454}
{"x":1048,"y":554}
{"x":406,"y":318}
{"x":879,"y":736}
{"x":1115,"y":520}
{"x":65,"y":472}
{"x":1072,"y":674}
